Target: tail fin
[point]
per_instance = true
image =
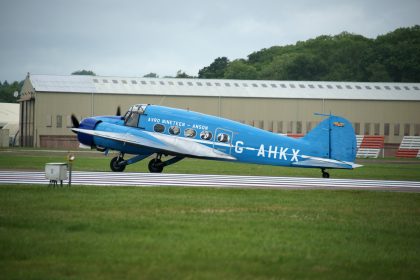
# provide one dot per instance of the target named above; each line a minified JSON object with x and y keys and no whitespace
{"x":334,"y":138}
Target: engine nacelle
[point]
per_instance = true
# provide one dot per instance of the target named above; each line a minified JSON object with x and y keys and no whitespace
{"x":88,"y":123}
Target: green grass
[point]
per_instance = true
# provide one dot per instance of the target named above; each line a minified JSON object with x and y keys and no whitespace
{"x":203,"y":233}
{"x":390,"y":169}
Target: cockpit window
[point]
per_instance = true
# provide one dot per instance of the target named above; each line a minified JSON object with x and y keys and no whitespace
{"x":132,"y":119}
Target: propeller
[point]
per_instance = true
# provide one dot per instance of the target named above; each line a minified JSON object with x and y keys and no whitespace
{"x":74,"y":121}
{"x":118,"y":111}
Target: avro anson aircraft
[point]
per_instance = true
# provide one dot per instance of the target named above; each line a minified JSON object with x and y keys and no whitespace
{"x":177,"y":134}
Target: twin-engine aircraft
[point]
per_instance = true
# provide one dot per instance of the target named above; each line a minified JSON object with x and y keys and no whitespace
{"x":150,"y":129}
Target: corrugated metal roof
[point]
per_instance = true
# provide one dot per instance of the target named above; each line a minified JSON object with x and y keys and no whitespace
{"x":226,"y":88}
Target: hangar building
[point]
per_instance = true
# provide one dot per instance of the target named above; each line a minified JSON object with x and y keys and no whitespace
{"x":47,"y":102}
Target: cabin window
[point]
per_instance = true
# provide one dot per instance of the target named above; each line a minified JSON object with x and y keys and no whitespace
{"x":160,"y":128}
{"x":223,"y":137}
{"x":357,"y":128}
{"x":406,"y":129}
{"x":174,"y":130}
{"x":205,"y":135}
{"x":189,"y":132}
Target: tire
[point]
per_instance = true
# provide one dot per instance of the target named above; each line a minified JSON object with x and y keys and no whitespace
{"x":154,"y":166}
{"x":115,"y":166}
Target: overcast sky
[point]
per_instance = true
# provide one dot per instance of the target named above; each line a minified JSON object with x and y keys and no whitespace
{"x":133,"y":38}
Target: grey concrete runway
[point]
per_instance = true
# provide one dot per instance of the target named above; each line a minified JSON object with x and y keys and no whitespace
{"x":199,"y":180}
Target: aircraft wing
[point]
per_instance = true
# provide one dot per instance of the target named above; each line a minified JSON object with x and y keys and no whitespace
{"x":163,"y":143}
{"x":308,"y":161}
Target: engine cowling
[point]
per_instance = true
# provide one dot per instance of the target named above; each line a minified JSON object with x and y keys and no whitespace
{"x":88,"y":123}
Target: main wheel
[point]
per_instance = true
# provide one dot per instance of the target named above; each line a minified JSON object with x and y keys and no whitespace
{"x":116,"y":166}
{"x":325,"y":174}
{"x":155,"y":166}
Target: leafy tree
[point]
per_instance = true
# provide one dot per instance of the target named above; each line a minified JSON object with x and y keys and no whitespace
{"x":151,"y":75}
{"x":238,"y":69}
{"x":7,"y":91}
{"x":181,"y":74}
{"x":84,"y":72}
{"x":215,"y":70}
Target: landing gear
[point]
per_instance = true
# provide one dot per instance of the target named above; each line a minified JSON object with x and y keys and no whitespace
{"x":156,"y":165}
{"x":117,"y":164}
{"x":325,"y":174}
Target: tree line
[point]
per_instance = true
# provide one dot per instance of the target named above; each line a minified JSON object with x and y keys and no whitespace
{"x":393,"y":57}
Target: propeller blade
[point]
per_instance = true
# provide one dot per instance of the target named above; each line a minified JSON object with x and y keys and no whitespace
{"x":118,"y":111}
{"x":74,"y":121}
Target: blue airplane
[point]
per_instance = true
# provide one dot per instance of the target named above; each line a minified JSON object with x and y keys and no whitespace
{"x":150,"y":129}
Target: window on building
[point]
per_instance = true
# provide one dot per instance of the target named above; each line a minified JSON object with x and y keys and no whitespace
{"x":299,"y":127}
{"x":386,"y":129}
{"x":357,"y":128}
{"x":376,"y":128}
{"x":367,"y":128}
{"x":397,"y":129}
{"x":280,"y":127}
{"x":406,"y":129}
{"x":48,"y":121}
{"x":290,"y":127}
{"x":308,"y":126}
{"x":59,"y":121}
{"x":417,"y":129}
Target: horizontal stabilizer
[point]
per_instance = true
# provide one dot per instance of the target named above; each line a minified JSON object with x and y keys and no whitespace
{"x":325,"y":163}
